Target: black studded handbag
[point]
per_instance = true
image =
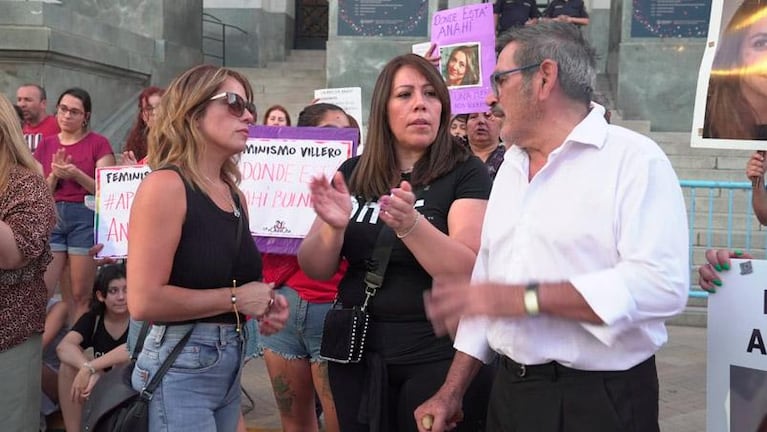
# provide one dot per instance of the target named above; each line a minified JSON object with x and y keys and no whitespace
{"x":345,"y":328}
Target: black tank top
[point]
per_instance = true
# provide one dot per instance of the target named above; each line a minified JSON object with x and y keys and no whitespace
{"x":206,"y":256}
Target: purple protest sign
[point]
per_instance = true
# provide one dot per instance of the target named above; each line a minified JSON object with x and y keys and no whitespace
{"x":466,"y":40}
{"x":276,"y":167}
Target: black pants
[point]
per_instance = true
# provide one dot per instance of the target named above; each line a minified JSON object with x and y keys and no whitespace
{"x":408,"y":387}
{"x":554,"y":398}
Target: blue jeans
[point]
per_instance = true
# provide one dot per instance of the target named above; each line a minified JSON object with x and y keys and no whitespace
{"x":302,"y":334}
{"x":201,"y":391}
{"x":73,"y":232}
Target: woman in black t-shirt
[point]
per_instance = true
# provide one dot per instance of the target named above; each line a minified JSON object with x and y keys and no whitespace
{"x":105,"y":329}
{"x":413,"y":178}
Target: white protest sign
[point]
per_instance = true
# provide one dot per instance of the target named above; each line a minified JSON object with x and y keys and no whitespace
{"x":737,"y":355}
{"x":115,"y":188}
{"x":421,"y":48}
{"x":275,"y":177}
{"x":348,"y":98}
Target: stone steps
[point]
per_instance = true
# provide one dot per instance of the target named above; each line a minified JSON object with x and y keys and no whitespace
{"x":290,"y":83}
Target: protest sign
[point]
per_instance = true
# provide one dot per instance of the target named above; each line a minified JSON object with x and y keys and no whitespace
{"x":737,"y":355}
{"x":466,"y":40}
{"x":421,"y":48}
{"x":115,"y":188}
{"x":277,"y":165}
{"x":348,"y":98}
{"x":729,"y":108}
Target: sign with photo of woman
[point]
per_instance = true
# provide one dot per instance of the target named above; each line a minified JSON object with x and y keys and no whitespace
{"x":460,"y":64}
{"x":731,"y":100}
{"x":465,"y":37}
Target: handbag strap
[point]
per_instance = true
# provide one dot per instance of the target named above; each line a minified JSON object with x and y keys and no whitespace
{"x":140,"y":341}
{"x":147,"y":392}
{"x":378,"y":262}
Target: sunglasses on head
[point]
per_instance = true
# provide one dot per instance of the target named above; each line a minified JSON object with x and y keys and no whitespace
{"x":236,"y":104}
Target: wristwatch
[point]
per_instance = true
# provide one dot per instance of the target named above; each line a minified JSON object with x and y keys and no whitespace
{"x":532,"y":307}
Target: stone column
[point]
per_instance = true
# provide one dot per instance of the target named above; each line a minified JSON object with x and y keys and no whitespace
{"x":653,"y":62}
{"x":356,"y":61}
{"x":113,"y":50}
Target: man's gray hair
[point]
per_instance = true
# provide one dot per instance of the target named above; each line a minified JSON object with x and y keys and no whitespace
{"x":562,"y":43}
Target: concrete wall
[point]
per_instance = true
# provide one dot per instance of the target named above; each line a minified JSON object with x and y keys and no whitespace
{"x":598,"y":30}
{"x":654,"y":78}
{"x":112,"y":48}
{"x":268,"y":31}
{"x":356,"y":61}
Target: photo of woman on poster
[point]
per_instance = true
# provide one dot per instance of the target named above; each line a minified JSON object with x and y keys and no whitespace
{"x":460,"y":65}
{"x":736,"y":106}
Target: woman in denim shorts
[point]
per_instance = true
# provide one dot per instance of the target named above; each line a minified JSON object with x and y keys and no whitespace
{"x":69,"y":162}
{"x":293,"y":355}
{"x":192,"y":265}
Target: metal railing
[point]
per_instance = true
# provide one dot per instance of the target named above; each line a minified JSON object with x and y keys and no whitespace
{"x":718,"y":192}
{"x":210,"y":19}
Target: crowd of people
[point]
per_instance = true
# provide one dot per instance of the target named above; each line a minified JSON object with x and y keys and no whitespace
{"x":492,"y":313}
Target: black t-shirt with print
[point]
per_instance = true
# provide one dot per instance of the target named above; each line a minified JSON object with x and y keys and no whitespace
{"x":100,"y":339}
{"x":400,"y":299}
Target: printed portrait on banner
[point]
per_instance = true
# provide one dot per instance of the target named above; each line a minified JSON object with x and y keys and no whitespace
{"x":731,"y":99}
{"x":460,"y":64}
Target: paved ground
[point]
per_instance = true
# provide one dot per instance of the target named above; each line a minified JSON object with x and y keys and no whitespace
{"x":681,"y":369}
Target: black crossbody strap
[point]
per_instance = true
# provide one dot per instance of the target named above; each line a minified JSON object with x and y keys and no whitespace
{"x":379,"y":261}
{"x":147,"y":392}
{"x":140,"y":341}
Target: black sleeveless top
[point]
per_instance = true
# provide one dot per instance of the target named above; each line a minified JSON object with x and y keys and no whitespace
{"x":206,"y":256}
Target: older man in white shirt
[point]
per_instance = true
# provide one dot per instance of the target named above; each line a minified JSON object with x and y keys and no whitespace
{"x":584,"y":255}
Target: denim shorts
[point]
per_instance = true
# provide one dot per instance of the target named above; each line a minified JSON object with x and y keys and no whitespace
{"x":201,"y":391}
{"x":73,"y":232}
{"x":302,"y":334}
{"x":253,"y":348}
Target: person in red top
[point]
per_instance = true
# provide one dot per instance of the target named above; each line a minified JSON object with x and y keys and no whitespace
{"x":69,"y":162}
{"x":293,"y":355}
{"x":38,"y":124}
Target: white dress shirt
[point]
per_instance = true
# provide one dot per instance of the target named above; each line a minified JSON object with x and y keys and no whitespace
{"x":605,"y":213}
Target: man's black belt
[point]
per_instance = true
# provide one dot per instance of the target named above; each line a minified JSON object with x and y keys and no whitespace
{"x":553,"y":370}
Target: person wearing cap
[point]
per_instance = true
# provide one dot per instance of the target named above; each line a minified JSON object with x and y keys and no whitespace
{"x":513,"y":13}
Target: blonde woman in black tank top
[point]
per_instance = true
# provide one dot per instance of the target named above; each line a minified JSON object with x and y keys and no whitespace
{"x":191,"y":261}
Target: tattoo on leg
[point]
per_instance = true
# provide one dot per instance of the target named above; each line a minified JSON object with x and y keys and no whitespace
{"x":283,"y":395}
{"x":324,"y":380}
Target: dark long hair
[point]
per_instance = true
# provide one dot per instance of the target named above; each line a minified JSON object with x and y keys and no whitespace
{"x":106,"y":274}
{"x":377,"y":170}
{"x":136,"y":141}
{"x":728,"y":113}
{"x":312,"y":115}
